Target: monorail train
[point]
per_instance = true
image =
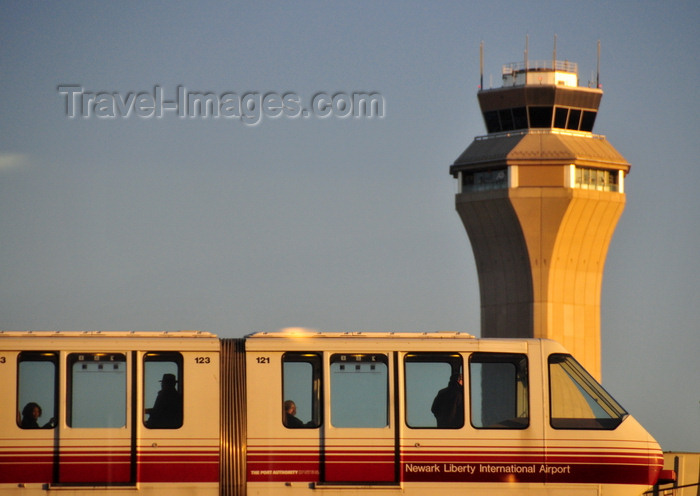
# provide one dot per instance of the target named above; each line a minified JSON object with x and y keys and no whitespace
{"x":309,"y":413}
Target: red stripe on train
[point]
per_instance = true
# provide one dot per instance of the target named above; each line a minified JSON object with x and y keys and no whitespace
{"x":622,"y":467}
{"x":23,"y":467}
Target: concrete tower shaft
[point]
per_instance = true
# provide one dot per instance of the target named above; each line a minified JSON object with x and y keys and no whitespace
{"x":540,"y":196}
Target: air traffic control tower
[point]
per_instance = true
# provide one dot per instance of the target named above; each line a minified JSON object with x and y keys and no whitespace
{"x":540,"y":196}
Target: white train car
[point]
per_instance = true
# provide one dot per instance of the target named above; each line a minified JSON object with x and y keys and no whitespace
{"x":97,"y":387}
{"x":308,"y":413}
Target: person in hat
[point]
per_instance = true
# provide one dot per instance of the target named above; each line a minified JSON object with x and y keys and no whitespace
{"x":167,"y":409}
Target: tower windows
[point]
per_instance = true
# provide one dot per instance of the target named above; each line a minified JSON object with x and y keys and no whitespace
{"x":493,"y":124}
{"x":540,"y":116}
{"x":519,"y":118}
{"x":535,"y":116}
{"x":508,"y":119}
{"x":597,"y":179}
{"x":574,"y":119}
{"x":587,"y":120}
{"x":560,"y":117}
{"x":484,"y":180}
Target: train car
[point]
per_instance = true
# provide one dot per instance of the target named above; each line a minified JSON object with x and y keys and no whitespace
{"x":304,"y":413}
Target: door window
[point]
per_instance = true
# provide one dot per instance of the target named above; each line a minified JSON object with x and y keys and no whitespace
{"x":499,"y":391}
{"x":36,"y":390}
{"x":301,"y":390}
{"x":434,"y":390}
{"x":359,"y":390}
{"x":162,"y":389}
{"x":96,"y":390}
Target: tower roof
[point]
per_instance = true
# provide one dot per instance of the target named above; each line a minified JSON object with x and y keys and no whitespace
{"x":544,"y":147}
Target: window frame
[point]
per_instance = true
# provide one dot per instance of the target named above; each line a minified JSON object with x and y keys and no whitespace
{"x":521,"y":363}
{"x":360,"y":358}
{"x":157,"y":357}
{"x":38,"y":356}
{"x":584,"y":423}
{"x":76,"y":357}
{"x":450,"y":358}
{"x":314,"y":359}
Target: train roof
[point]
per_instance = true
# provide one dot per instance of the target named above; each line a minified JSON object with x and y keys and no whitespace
{"x":89,"y":341}
{"x":308,"y":333}
{"x":108,"y":334}
{"x":291,"y":339}
{"x":306,"y":340}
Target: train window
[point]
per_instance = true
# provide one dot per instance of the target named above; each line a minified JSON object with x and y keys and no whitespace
{"x":301,"y":390}
{"x":359,"y":390}
{"x":162,"y":390}
{"x":434,"y":397}
{"x":577,"y":401}
{"x":36,"y":390}
{"x":96,"y":390}
{"x":499,"y":391}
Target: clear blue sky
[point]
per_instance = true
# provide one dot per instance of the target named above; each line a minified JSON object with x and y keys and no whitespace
{"x":330,"y":223}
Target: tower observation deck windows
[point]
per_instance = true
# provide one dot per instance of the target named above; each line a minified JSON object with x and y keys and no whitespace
{"x":493,"y":124}
{"x":560,"y":117}
{"x":511,"y":119}
{"x":540,"y":116}
{"x":587,"y":120}
{"x":574,"y":119}
{"x":484,"y":180}
{"x":519,"y":118}
{"x":508,"y":119}
{"x":597,"y":179}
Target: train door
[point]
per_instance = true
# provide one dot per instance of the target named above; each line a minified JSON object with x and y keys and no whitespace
{"x":468,"y":418}
{"x":359,"y":442}
{"x":95,"y":436}
{"x":31,"y":436}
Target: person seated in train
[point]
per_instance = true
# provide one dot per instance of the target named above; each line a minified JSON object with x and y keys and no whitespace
{"x":30,"y":417}
{"x":448,"y":405}
{"x":290,"y":412}
{"x":167,"y":409}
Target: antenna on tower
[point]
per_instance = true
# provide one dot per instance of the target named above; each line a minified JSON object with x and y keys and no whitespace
{"x":481,"y":65}
{"x":597,"y":75}
{"x":527,"y":42}
{"x":554,"y":53}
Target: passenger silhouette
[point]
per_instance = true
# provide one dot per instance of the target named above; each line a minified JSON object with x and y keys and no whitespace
{"x":448,"y":405}
{"x":290,"y":411}
{"x":30,"y":417}
{"x":167,"y":409}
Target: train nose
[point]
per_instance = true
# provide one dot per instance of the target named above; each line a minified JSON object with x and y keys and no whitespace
{"x":657,"y":474}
